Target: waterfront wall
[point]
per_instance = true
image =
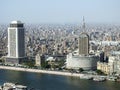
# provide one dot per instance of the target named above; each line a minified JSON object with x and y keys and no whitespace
{"x":40,"y":71}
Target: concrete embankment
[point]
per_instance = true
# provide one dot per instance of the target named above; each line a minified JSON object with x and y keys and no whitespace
{"x":40,"y":71}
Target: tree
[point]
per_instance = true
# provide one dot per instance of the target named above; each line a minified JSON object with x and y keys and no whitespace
{"x":81,"y":70}
{"x":99,"y":72}
{"x":30,"y":64}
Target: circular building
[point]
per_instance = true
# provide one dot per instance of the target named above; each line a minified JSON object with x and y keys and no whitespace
{"x":79,"y":61}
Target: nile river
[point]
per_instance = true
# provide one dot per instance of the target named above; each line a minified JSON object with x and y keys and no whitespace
{"x":54,"y":82}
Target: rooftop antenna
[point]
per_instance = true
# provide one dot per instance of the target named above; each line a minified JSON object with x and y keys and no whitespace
{"x":83,"y":26}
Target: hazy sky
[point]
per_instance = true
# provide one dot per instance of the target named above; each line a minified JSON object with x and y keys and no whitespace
{"x":60,"y":11}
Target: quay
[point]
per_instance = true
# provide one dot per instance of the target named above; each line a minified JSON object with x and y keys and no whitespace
{"x":41,"y":71}
{"x":80,"y":75}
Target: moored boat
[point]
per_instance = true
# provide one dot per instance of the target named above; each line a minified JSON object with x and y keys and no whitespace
{"x":12,"y":86}
{"x":86,"y":77}
{"x":99,"y":79}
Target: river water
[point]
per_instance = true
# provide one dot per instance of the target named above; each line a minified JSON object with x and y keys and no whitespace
{"x":54,"y":82}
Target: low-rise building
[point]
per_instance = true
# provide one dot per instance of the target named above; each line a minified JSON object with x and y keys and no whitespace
{"x":112,"y":67}
{"x":39,"y":59}
{"x":104,"y":67}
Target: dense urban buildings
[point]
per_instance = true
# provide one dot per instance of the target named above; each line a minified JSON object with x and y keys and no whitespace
{"x":16,"y":43}
{"x":53,"y":38}
{"x":43,"y":39}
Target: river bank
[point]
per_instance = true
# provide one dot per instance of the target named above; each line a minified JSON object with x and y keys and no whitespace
{"x":40,"y":71}
{"x":80,"y":75}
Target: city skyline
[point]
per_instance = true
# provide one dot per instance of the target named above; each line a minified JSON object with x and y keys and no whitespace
{"x":63,"y":11}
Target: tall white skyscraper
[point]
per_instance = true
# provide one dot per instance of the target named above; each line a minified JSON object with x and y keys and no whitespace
{"x":16,"y":42}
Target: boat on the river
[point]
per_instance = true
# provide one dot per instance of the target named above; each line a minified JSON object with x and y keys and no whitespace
{"x":86,"y":77}
{"x":12,"y":86}
{"x":99,"y":79}
{"x":112,"y":78}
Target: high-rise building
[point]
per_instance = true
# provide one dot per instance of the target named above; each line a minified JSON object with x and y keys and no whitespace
{"x":83,"y":41}
{"x":83,"y":44}
{"x":16,"y":43}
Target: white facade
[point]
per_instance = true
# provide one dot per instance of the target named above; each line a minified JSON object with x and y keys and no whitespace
{"x":16,"y":40}
{"x":114,"y":62}
{"x":38,"y":60}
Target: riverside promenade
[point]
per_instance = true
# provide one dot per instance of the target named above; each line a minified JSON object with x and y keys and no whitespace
{"x":41,"y":71}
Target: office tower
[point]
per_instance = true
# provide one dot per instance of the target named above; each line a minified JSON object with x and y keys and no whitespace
{"x":83,"y":44}
{"x":16,"y":43}
{"x":83,"y":41}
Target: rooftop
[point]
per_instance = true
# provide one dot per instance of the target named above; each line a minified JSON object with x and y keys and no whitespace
{"x":16,"y":22}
